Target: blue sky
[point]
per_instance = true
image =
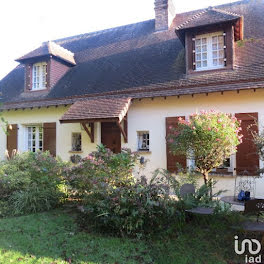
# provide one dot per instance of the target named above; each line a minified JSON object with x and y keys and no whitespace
{"x":25,"y":24}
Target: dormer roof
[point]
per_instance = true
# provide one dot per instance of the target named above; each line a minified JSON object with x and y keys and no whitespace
{"x":208,"y":16}
{"x":211,"y":17}
{"x":49,"y":48}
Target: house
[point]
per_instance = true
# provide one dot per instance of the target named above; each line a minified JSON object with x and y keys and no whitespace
{"x":125,"y":86}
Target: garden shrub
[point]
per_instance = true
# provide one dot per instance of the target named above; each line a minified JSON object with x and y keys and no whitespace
{"x":201,"y":198}
{"x":101,"y":166}
{"x":209,"y":138}
{"x":138,"y":208}
{"x":114,"y":201}
{"x":31,"y":182}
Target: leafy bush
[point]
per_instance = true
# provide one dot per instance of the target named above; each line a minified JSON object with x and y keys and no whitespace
{"x":209,"y":138}
{"x":201,"y":198}
{"x":31,"y":182}
{"x":137,"y":208}
{"x":34,"y":199}
{"x":101,"y":166}
{"x":113,"y":201}
{"x":258,"y":139}
{"x":190,"y":177}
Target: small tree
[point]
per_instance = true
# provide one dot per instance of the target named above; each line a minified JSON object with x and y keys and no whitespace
{"x":209,"y":138}
{"x":258,"y":138}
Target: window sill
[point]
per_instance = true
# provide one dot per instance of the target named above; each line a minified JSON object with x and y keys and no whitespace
{"x":226,"y":68}
{"x":76,"y":152}
{"x":37,"y":91}
{"x":144,"y":152}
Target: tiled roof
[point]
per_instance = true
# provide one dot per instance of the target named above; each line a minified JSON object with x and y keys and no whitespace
{"x":136,"y":61}
{"x":50,"y":48}
{"x":145,"y":92}
{"x":208,"y":16}
{"x":94,"y":109}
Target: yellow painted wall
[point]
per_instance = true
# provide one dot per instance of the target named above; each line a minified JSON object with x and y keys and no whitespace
{"x":43,"y":115}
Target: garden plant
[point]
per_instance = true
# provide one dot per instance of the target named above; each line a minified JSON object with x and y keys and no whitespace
{"x":31,"y":182}
{"x":209,"y":138}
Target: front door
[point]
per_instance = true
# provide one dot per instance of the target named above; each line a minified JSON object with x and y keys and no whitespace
{"x":111,"y":136}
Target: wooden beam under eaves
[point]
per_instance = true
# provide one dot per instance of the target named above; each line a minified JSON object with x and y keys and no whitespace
{"x":90,"y":133}
{"x":122,"y":131}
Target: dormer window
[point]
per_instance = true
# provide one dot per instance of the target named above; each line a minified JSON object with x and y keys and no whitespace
{"x":209,"y":51}
{"x":208,"y":38}
{"x":39,"y":76}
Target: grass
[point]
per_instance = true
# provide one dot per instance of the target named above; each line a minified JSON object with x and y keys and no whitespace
{"x":54,"y":238}
{"x":204,"y":241}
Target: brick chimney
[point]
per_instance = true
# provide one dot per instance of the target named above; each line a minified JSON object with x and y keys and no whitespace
{"x":164,"y":14}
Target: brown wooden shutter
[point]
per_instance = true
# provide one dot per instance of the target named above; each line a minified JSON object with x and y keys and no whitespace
{"x":11,"y":139}
{"x":247,"y":159}
{"x":172,"y":160}
{"x":49,"y":130}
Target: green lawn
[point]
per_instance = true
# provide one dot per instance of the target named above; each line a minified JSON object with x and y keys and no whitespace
{"x":54,"y":237}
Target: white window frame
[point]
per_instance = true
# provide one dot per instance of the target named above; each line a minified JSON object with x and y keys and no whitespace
{"x":39,"y":137}
{"x":39,"y":76}
{"x":232,"y":164}
{"x":209,"y":51}
{"x":140,"y":141}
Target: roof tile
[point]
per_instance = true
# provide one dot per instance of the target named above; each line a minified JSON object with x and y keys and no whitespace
{"x":97,"y":109}
{"x":50,"y":48}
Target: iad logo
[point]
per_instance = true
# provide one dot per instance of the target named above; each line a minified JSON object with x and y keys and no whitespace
{"x":254,"y":248}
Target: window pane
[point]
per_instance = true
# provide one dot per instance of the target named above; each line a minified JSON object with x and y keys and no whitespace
{"x":198,"y":56}
{"x":39,"y":77}
{"x":201,"y":52}
{"x":214,"y":39}
{"x":214,"y":54}
{"x":221,"y":62}
{"x":143,"y":140}
{"x":218,"y":50}
{"x":76,"y":142}
{"x":198,"y":42}
{"x":35,"y":138}
{"x":220,"y":39}
{"x":215,"y":62}
{"x":221,"y":54}
{"x":214,"y":46}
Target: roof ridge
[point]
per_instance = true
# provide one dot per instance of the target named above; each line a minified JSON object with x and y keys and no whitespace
{"x":94,"y":33}
{"x":192,"y":18}
{"x":225,"y":12}
{"x":210,"y":8}
{"x":51,"y":45}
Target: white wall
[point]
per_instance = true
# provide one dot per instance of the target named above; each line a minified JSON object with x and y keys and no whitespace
{"x":144,"y":115}
{"x":148,"y":114}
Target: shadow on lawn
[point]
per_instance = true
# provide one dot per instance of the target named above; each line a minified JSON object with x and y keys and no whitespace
{"x":53,"y":237}
{"x":204,"y":240}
